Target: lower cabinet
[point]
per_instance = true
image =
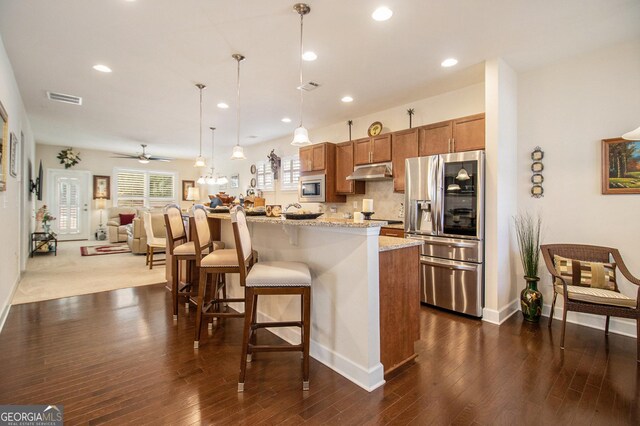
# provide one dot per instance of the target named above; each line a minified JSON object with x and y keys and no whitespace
{"x":391,"y":232}
{"x":399,"y":306}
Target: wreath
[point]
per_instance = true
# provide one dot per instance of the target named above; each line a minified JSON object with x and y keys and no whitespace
{"x":68,"y":157}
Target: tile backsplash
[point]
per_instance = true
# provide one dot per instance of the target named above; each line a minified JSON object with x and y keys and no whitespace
{"x":386,"y":203}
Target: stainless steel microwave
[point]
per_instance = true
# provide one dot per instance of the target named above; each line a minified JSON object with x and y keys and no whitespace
{"x":311,"y":189}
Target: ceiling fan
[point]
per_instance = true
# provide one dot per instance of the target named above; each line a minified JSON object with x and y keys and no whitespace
{"x":143,"y":158}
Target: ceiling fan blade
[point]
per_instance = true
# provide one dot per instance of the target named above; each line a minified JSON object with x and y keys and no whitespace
{"x":156,"y":158}
{"x":123,"y":156}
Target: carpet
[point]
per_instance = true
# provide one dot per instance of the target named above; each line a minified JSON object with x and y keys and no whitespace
{"x":105,"y":249}
{"x":69,"y":274}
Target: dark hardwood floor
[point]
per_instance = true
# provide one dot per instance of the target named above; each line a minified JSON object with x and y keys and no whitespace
{"x":117,"y":357}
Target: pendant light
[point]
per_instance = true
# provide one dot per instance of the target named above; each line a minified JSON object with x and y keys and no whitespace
{"x":210,"y":179}
{"x":301,"y":135}
{"x":633,"y":135}
{"x":200,"y":162}
{"x":238,"y":151}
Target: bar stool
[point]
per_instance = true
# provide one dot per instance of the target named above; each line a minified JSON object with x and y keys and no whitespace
{"x":270,"y":278}
{"x":213,"y":265}
{"x":181,"y":250}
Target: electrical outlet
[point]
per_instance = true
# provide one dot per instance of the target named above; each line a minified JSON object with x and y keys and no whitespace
{"x":355,"y":204}
{"x":333,"y":209}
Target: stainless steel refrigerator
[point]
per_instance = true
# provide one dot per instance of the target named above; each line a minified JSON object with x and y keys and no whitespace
{"x":444,"y":208}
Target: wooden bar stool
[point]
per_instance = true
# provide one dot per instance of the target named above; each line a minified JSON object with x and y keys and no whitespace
{"x":181,"y":250}
{"x":270,"y":278}
{"x":212,"y":268}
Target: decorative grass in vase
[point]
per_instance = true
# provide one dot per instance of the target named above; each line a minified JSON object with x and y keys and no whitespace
{"x":528,"y":233}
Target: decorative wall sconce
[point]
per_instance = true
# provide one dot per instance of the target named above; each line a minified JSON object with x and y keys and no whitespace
{"x":537,"y":167}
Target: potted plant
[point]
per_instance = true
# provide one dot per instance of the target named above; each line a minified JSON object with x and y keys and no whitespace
{"x":528,"y":233}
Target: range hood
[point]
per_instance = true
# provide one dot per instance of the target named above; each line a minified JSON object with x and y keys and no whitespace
{"x":369,"y":172}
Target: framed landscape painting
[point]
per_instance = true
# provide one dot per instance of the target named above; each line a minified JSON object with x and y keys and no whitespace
{"x":101,"y":187}
{"x":620,"y":166}
{"x":186,"y":184}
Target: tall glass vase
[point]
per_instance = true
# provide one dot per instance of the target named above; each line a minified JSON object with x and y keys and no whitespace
{"x":531,"y":300}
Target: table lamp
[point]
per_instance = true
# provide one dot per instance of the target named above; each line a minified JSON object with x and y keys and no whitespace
{"x":193,"y":194}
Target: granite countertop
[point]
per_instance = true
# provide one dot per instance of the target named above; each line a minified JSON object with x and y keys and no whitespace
{"x":394,"y":243}
{"x":321,"y":221}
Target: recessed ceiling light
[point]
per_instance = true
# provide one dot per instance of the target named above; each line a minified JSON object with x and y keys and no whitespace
{"x":449,"y":62}
{"x":347,"y":99}
{"x":222,"y":105}
{"x":382,"y":13}
{"x":101,"y":68}
{"x":286,"y":120}
{"x":309,"y":56}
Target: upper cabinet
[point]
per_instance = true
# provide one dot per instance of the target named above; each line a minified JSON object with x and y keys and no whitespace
{"x":313,"y":158}
{"x":468,"y":133}
{"x":372,"y":150}
{"x":461,"y":134}
{"x":405,"y":145}
{"x":321,"y":159}
{"x":344,"y":167}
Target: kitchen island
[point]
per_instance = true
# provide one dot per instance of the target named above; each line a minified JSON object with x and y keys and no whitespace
{"x":344,"y":259}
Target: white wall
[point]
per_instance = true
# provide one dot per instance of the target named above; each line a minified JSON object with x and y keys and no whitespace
{"x":14,"y":236}
{"x":101,"y":163}
{"x":500,"y":182}
{"x":466,"y":101}
{"x":567,"y":108}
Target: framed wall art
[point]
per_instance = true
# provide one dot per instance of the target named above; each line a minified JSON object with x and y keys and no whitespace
{"x":13,"y":153}
{"x":186,"y":184}
{"x":102,"y":187}
{"x":620,"y":166}
{"x":235,"y":181}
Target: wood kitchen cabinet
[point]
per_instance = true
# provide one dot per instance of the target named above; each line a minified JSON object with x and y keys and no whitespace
{"x":313,"y":158}
{"x":344,"y":168}
{"x":391,"y":232}
{"x":321,"y":159}
{"x":372,"y":150}
{"x":461,"y":134}
{"x":399,"y":272}
{"x":404,"y":145}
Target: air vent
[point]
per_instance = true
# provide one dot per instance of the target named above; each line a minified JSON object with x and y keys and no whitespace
{"x":307,"y":87}
{"x":67,"y":99}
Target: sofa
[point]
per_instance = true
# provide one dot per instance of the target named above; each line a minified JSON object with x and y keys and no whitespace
{"x":117,"y":232}
{"x":136,"y":235}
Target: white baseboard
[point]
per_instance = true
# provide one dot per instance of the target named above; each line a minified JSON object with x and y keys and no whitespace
{"x":7,"y":307}
{"x":368,"y":379}
{"x":623,"y":326}
{"x":498,"y":317}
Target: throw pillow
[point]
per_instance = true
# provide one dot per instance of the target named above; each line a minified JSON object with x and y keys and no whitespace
{"x":587,"y":274}
{"x":126,"y":219}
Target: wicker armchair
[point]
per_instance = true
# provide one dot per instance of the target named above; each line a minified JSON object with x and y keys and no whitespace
{"x":595,"y":305}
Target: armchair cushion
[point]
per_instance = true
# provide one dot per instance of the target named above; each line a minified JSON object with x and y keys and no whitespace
{"x":126,"y":219}
{"x":587,"y":274}
{"x":596,"y":295}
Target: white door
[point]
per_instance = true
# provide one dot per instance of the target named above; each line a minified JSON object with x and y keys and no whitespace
{"x":69,"y":202}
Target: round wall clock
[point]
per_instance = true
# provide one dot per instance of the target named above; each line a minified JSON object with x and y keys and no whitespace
{"x":374,"y":129}
{"x":253,"y":169}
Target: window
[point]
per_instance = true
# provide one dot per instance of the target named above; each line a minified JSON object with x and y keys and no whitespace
{"x":264,"y":176}
{"x":290,"y":173}
{"x":139,"y":188}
